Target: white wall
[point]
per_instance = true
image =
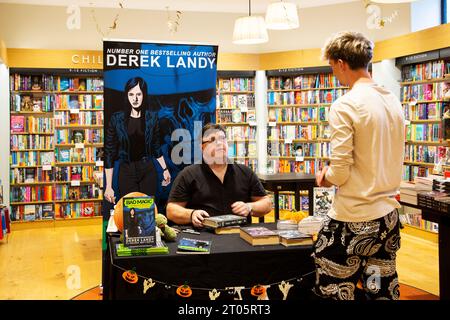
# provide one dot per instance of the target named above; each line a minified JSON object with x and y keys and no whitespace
{"x":4,"y":131}
{"x":385,"y":73}
{"x":261,"y":119}
{"x":28,"y":26}
{"x":425,"y":14}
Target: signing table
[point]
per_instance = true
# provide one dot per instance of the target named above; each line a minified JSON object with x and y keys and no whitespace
{"x":232,"y":263}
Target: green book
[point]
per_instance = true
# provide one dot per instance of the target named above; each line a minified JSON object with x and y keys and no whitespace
{"x":123,"y":251}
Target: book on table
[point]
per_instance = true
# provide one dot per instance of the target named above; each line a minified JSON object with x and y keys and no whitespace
{"x":259,"y":236}
{"x":225,"y":230}
{"x":224,"y":221}
{"x":196,"y":246}
{"x":294,"y":238}
{"x":159,"y":248}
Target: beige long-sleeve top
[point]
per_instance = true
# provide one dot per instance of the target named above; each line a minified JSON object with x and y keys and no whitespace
{"x":367,"y":147}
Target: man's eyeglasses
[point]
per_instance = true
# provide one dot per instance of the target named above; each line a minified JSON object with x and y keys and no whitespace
{"x":216,"y":139}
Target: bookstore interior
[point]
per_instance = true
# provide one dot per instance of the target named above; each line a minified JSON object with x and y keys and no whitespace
{"x":73,"y":85}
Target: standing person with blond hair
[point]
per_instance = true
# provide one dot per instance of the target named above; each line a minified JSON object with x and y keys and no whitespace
{"x":360,"y":236}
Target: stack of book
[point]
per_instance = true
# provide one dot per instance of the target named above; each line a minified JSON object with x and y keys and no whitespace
{"x":123,"y":251}
{"x":408,"y":192}
{"x":311,"y":225}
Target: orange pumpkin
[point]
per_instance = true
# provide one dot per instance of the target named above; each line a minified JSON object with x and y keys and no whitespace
{"x":184,"y":291}
{"x":118,"y":209}
{"x":257,"y":290}
{"x":130,"y":276}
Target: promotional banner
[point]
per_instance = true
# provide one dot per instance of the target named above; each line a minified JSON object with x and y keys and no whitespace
{"x":157,"y":97}
{"x":151,"y":90}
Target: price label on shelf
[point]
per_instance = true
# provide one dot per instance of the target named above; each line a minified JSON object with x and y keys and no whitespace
{"x":79,"y":145}
{"x":46,"y":167}
{"x":75,"y":183}
{"x":301,"y":159}
{"x":272,"y":124}
{"x":74,"y":110}
{"x":288,"y":141}
{"x":407,"y":122}
{"x":252,"y":123}
{"x":99,"y":163}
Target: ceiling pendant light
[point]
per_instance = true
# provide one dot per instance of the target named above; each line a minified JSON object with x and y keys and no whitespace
{"x":282,"y":16}
{"x":250,"y":30}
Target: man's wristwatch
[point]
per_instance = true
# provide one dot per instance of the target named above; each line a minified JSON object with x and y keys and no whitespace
{"x":250,"y":208}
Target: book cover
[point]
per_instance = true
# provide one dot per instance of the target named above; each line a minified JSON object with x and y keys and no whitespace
{"x":75,"y":173}
{"x":64,"y":155}
{"x":224,"y":220}
{"x":17,"y":124}
{"x":139,"y":221}
{"x":259,"y":236}
{"x":226,"y":85}
{"x":251,"y":115}
{"x":188,"y":245}
{"x":47,"y":211}
{"x":29,"y":212}
{"x":64,"y":84}
{"x":77,"y":136}
{"x":87,"y":209}
{"x":47,"y":158}
{"x":236,"y":116}
{"x":323,"y":198}
{"x":242,"y":101}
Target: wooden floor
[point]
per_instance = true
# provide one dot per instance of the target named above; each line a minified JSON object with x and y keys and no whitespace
{"x":36,"y":263}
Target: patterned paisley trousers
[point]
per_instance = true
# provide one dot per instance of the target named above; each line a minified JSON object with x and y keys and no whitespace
{"x":358,"y":255}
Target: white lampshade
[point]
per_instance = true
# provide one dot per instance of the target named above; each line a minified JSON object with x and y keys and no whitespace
{"x":392,"y":1}
{"x":282,"y":16}
{"x":250,"y":30}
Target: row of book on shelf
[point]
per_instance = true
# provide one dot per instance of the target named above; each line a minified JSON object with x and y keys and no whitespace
{"x":236,"y":116}
{"x":236,"y":84}
{"x":425,"y":71}
{"x":55,"y":193}
{"x":311,"y":81}
{"x":305,"y":132}
{"x":49,"y":211}
{"x":292,"y":114}
{"x":53,"y":102}
{"x":236,"y":101}
{"x":70,"y":136}
{"x":81,"y":118}
{"x":304,"y":97}
{"x":19,"y":82}
{"x":20,"y":124}
{"x":55,"y":174}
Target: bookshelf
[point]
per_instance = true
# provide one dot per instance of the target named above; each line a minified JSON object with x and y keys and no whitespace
{"x":424,"y":78}
{"x":236,"y":111}
{"x":298,"y":133}
{"x":56,"y":143}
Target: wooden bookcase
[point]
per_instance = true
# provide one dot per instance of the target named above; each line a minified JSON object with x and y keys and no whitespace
{"x":424,"y":79}
{"x":56,"y":143}
{"x":236,"y":111}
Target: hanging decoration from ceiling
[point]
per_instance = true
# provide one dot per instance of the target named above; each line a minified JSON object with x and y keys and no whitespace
{"x":73,"y":21}
{"x":113,"y":25}
{"x":375,"y":20}
{"x":173,"y":24}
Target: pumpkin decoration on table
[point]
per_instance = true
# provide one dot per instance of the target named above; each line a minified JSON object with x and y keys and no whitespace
{"x":257,"y":290}
{"x":184,"y":291}
{"x":161,"y":221}
{"x":130,"y":276}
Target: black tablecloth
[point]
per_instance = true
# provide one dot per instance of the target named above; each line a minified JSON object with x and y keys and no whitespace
{"x":231,"y":263}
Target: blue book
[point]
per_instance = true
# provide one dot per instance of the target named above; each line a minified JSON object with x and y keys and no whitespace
{"x":188,"y":245}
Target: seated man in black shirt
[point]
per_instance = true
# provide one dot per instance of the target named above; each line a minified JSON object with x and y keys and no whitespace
{"x":215,"y":187}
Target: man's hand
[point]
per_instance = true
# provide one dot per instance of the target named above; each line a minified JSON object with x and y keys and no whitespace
{"x":241,"y":208}
{"x":197,"y":218}
{"x":320,"y":178}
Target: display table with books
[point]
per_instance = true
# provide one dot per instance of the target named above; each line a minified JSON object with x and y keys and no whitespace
{"x":230,"y":262}
{"x":435,"y":206}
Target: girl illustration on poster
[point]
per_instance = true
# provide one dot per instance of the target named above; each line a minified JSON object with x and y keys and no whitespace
{"x":133,"y":138}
